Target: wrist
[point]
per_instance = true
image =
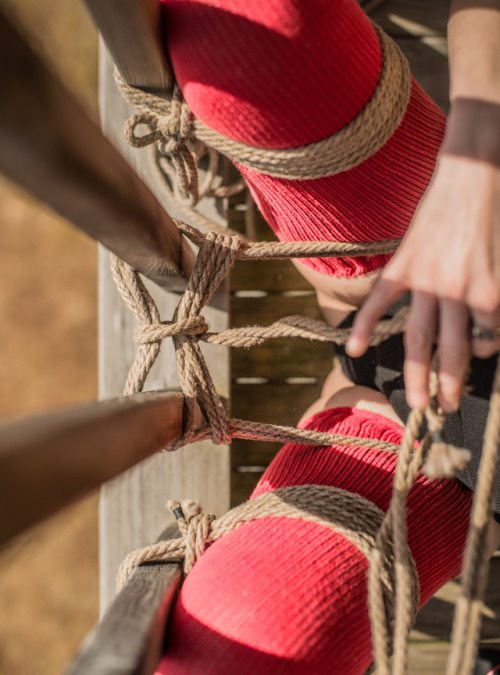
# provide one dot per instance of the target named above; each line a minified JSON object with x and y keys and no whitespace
{"x":473,"y":130}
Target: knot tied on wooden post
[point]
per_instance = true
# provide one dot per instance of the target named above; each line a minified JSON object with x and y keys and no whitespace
{"x":215,"y":257}
{"x":171,"y":125}
{"x":217,"y":253}
{"x":354,"y":517}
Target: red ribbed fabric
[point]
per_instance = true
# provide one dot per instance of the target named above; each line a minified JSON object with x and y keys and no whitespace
{"x":283,"y":596}
{"x":284,"y":73}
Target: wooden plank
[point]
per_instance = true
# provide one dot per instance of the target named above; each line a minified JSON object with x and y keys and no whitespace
{"x":132,"y":507}
{"x":236,"y":214}
{"x":429,"y":66}
{"x":249,"y":311}
{"x":243,"y":484}
{"x":273,"y":403}
{"x":49,"y":461}
{"x":131,"y":31}
{"x":282,"y":359}
{"x":252,"y":453}
{"x":419,"y":27}
{"x":129,"y":639}
{"x":430,"y":15}
{"x":435,"y":619}
{"x":268,"y":275}
{"x":51,"y":148}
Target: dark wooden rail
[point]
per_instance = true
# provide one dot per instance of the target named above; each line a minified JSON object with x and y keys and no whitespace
{"x":50,"y":147}
{"x":130,"y":637}
{"x":131,"y":31}
{"x":49,"y":461}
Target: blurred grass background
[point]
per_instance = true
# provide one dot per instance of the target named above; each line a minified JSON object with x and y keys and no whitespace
{"x":48,"y":359}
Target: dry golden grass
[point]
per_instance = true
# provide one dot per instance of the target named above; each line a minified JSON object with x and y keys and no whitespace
{"x":48,"y":355}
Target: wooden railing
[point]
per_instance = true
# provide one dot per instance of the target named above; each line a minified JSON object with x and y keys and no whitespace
{"x":50,"y":147}
{"x":49,"y":461}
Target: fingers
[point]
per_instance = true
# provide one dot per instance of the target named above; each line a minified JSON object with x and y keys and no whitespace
{"x":454,"y":352}
{"x":419,"y":340}
{"x":383,"y":295}
{"x":422,"y":331}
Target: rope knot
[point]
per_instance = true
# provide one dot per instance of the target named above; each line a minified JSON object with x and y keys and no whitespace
{"x":195,"y":530}
{"x":193,"y":327}
{"x":176,"y":127}
{"x":232,"y":243}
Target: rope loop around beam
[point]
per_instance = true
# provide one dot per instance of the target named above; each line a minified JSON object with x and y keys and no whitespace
{"x":346,"y":513}
{"x":343,"y":150}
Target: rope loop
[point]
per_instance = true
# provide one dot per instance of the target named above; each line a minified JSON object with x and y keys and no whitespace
{"x":343,"y":150}
{"x":346,"y":513}
{"x":195,"y":327}
{"x":443,"y":459}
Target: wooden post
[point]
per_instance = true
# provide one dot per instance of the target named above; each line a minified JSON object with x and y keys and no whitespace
{"x":133,"y":507}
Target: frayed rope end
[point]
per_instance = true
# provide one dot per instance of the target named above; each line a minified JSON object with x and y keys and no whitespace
{"x":444,"y":460}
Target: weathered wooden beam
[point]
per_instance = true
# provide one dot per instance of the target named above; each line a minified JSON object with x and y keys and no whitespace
{"x":48,"y":461}
{"x":132,"y":508}
{"x":52,"y":148}
{"x":129,"y":639}
{"x":131,"y":31}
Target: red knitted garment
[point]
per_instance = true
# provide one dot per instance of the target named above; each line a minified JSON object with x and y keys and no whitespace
{"x":284,"y":73}
{"x":287,"y":596}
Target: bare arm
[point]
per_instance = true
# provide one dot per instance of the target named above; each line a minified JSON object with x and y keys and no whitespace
{"x":450,"y":257}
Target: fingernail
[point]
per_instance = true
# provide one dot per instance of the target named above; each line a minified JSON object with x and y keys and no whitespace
{"x":354,"y":346}
{"x":448,"y":399}
{"x":416,"y":399}
{"x":449,"y":405}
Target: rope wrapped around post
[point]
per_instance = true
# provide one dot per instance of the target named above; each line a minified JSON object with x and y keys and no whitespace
{"x":360,"y":139}
{"x":348,"y":514}
{"x":217,"y":253}
{"x":176,"y":131}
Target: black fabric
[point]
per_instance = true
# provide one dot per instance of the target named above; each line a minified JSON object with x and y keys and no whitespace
{"x":488,"y":662}
{"x":381,"y":368}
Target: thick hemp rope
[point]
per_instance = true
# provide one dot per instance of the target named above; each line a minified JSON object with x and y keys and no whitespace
{"x":184,"y":139}
{"x":174,"y":126}
{"x":348,"y":514}
{"x":217,"y":253}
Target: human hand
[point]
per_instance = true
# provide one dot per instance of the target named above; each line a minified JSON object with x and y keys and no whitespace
{"x":450,"y":260}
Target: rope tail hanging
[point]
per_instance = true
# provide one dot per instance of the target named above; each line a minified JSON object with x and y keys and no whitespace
{"x":184,"y":139}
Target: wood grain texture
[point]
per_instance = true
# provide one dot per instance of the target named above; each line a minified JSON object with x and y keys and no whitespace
{"x":282,"y":359}
{"x":131,"y":30}
{"x":267,"y":275}
{"x":248,"y":311}
{"x":132,"y":508}
{"x":273,"y":403}
{"x":130,"y":637}
{"x":50,"y":147}
{"x":49,"y":461}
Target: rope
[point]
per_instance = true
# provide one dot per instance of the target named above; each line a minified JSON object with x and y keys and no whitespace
{"x":217,"y":253}
{"x":346,"y":513}
{"x":184,"y":140}
{"x":174,"y":126}
{"x":468,"y":613}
